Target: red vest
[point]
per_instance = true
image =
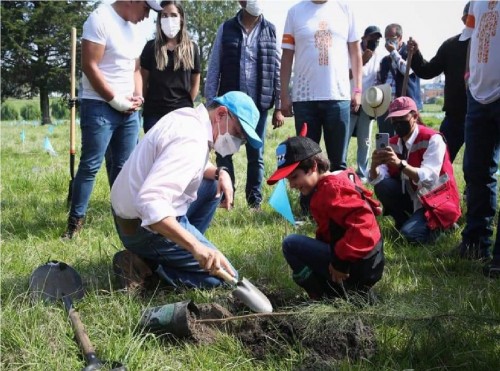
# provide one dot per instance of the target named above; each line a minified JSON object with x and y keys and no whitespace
{"x":443,"y":210}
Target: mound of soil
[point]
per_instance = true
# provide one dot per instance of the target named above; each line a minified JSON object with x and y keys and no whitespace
{"x":322,"y":341}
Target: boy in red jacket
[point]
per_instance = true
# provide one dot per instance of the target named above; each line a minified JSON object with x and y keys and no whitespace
{"x":347,"y":254}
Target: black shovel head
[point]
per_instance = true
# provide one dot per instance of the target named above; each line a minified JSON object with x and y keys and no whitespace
{"x":55,"y":280}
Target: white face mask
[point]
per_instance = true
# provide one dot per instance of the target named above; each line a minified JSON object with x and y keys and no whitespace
{"x":227,"y":144}
{"x":170,"y":26}
{"x":254,"y":7}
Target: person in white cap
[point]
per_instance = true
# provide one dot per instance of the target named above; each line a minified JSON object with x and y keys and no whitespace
{"x":413,"y":176}
{"x":167,"y":192}
{"x":110,"y":97}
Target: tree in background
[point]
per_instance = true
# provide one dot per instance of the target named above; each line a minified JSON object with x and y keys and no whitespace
{"x":203,"y":20}
{"x":35,"y":48}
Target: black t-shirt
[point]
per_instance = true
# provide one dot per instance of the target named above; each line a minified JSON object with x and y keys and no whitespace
{"x":168,"y":90}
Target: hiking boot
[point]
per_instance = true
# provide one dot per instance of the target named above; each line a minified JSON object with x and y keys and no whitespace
{"x":470,"y":251}
{"x":75,"y":225}
{"x":132,"y":272}
{"x":492,"y":269}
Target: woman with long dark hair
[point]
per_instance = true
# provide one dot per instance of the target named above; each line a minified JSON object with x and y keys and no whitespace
{"x":170,"y":66}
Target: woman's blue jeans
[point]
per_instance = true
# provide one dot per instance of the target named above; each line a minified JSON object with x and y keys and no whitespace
{"x":331,"y":118}
{"x":176,"y":265}
{"x":102,"y":128}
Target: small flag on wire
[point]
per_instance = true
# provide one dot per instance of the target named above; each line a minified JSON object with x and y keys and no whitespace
{"x":279,"y":201}
{"x":23,"y":136}
{"x":47,"y":146}
{"x":51,"y":129}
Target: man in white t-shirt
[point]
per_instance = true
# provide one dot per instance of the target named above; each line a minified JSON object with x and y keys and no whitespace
{"x":321,"y":36}
{"x":167,"y":192}
{"x":110,"y":97}
{"x":360,"y":122}
{"x":482,"y":134}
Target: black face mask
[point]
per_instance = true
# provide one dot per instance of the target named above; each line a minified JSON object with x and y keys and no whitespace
{"x":372,"y":45}
{"x":402,"y":128}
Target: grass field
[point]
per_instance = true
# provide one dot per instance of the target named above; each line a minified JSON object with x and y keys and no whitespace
{"x":434,"y":312}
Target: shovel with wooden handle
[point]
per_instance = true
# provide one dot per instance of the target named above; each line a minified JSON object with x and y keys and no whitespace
{"x":247,"y":293}
{"x":58,"y":281}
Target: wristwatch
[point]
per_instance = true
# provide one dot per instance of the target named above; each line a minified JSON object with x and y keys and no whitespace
{"x":218,"y":170}
{"x":403,"y":165}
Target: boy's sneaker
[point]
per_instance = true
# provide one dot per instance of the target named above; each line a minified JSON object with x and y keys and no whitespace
{"x":132,"y":272}
{"x":492,"y":269}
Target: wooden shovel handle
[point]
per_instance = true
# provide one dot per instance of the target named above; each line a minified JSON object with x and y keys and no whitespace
{"x":222,"y":274}
{"x":72,"y":128}
{"x":407,"y":72}
{"x":81,"y":333}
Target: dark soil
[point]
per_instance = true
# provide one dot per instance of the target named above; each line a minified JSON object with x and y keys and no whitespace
{"x":321,"y":342}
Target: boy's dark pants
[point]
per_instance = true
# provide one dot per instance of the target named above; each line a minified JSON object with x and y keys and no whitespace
{"x":310,"y":258}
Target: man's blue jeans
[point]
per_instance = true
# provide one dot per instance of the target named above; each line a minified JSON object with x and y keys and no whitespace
{"x":363,"y":124}
{"x":481,"y":158}
{"x":452,"y":129}
{"x":101,"y":126}
{"x":255,"y":167}
{"x":411,"y":224}
{"x":176,"y":265}
{"x":331,"y":118}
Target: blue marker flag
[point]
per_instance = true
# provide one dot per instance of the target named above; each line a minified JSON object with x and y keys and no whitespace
{"x":279,"y":201}
{"x":51,"y":129}
{"x":47,"y":146}
{"x":23,"y":136}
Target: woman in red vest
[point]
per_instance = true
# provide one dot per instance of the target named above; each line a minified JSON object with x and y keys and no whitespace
{"x":413,"y":176}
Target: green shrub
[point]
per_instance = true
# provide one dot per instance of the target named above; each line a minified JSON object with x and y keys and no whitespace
{"x":59,"y":109}
{"x":30,"y":112}
{"x":9,"y":112}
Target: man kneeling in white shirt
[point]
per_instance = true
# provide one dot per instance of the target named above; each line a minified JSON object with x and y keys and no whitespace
{"x":167,"y":192}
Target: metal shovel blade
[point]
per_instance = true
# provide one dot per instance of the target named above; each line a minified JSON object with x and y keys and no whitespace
{"x":56,"y":280}
{"x":252,"y":297}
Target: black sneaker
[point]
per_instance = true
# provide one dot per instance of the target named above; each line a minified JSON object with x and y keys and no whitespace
{"x":75,"y":225}
{"x":492,"y":269}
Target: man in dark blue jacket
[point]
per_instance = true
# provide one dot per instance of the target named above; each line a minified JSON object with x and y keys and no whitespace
{"x":245,"y":58}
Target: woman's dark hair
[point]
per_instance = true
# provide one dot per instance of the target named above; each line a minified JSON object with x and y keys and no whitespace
{"x":322,"y":163}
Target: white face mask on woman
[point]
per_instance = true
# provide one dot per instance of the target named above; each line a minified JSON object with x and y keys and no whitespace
{"x":227,"y":144}
{"x":171,"y":26}
{"x":254,"y":7}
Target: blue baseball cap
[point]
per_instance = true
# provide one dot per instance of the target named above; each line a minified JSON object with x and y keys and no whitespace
{"x":243,"y":107}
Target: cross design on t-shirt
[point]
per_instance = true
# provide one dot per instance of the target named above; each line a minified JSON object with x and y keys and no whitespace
{"x":487,"y":30}
{"x":323,"y":40}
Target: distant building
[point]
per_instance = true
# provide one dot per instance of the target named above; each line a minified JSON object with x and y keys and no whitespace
{"x":432,"y":91}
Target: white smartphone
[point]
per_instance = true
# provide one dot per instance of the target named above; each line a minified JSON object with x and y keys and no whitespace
{"x":381,"y":140}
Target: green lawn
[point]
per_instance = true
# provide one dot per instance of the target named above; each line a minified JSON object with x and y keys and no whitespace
{"x":434,"y":312}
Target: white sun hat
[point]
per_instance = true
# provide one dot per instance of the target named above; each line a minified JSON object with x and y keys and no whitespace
{"x":376,"y":99}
